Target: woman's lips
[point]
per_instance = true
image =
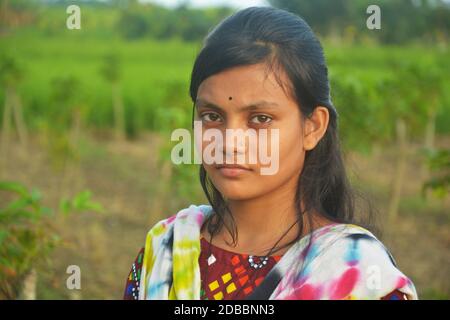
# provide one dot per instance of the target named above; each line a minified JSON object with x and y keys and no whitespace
{"x":232,"y":170}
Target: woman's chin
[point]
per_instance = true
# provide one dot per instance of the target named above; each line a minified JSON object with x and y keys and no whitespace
{"x":238,"y":193}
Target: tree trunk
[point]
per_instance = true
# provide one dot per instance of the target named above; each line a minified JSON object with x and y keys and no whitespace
{"x":119,"y":113}
{"x":18,"y":118}
{"x":71,"y":179}
{"x":399,"y":175}
{"x":29,"y":286}
{"x":430,"y":131}
{"x":6,"y":129}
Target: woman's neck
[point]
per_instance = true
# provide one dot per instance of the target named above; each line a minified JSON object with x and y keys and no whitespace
{"x":262,"y":221}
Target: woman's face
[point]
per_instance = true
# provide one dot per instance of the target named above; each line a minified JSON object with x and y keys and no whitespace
{"x":247,"y":97}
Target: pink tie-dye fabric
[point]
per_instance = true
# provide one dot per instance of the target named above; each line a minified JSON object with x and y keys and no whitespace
{"x":338,"y":261}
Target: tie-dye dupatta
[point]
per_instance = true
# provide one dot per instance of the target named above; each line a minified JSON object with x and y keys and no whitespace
{"x":343,"y":261}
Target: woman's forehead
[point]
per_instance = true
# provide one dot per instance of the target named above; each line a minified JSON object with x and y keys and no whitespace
{"x":245,"y":85}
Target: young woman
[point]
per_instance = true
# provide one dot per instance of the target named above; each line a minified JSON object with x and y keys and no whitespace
{"x":285,"y":235}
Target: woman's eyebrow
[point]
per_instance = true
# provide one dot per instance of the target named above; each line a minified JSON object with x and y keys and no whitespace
{"x":263,"y":104}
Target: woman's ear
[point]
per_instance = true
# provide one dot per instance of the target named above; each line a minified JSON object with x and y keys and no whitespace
{"x":315,"y":127}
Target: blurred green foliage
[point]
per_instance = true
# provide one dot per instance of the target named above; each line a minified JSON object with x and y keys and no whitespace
{"x":73,"y":70}
{"x":402,"y":21}
{"x":155,"y":89}
{"x":26,"y":235}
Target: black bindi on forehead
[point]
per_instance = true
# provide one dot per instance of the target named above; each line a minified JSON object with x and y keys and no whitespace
{"x":230,"y":98}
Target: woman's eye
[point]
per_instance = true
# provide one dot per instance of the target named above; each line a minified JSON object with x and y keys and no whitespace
{"x":210,"y":117}
{"x":259,"y":119}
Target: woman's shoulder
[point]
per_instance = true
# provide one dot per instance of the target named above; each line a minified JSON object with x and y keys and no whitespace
{"x":349,"y":255}
{"x":189,"y":221}
{"x":353,"y":242}
{"x":193,"y":214}
{"x":339,"y":233}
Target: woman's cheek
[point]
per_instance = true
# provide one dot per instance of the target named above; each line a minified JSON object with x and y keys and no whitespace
{"x":291,"y":155}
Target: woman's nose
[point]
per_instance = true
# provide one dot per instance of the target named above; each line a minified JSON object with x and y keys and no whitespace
{"x":237,"y":137}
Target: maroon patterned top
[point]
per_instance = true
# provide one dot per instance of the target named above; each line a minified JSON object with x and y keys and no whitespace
{"x":226,"y":276}
{"x":229,"y":275}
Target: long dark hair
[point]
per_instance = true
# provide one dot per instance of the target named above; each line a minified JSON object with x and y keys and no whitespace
{"x":284,"y":40}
